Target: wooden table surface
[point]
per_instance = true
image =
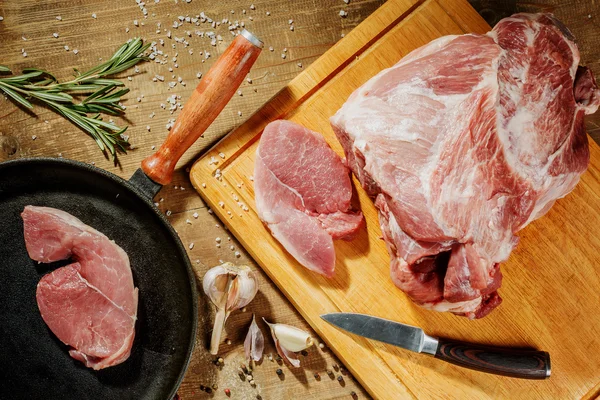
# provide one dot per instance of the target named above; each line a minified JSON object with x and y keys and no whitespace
{"x":96,"y":28}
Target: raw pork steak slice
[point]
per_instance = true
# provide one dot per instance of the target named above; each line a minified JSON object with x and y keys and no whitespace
{"x":464,"y":142}
{"x":90,"y":305}
{"x":303,"y":193}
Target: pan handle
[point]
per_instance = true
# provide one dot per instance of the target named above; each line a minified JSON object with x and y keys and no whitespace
{"x":210,"y":97}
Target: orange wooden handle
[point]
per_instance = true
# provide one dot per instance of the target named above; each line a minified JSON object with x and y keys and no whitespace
{"x":210,"y":97}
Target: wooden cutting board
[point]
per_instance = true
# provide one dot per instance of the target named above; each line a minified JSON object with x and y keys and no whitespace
{"x":551,"y":282}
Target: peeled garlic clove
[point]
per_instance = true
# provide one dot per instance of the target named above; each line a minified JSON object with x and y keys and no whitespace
{"x":288,"y":340}
{"x":254,"y":344}
{"x":229,"y":287}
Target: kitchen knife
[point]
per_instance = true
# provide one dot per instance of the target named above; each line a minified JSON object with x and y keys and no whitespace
{"x":517,"y":363}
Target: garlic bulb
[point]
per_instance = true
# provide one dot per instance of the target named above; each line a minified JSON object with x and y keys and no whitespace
{"x":289,"y":340}
{"x":254,"y":344}
{"x":229,"y":287}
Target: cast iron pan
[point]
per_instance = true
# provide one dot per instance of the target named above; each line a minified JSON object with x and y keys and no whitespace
{"x":34,"y":364}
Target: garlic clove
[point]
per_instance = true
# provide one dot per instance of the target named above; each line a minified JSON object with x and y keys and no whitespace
{"x":289,"y":340}
{"x":290,"y":356}
{"x":254,"y":344}
{"x":229,"y":287}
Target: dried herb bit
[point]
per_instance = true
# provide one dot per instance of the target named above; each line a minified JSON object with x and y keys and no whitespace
{"x":103,"y":95}
{"x":279,"y":371}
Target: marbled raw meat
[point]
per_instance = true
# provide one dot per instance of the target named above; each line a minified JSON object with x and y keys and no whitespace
{"x":90,"y":305}
{"x":303,"y":194}
{"x":464,"y":142}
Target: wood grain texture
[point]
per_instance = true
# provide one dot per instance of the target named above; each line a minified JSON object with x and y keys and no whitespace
{"x":517,"y":363}
{"x":318,"y":26}
{"x":550,"y":281}
{"x":206,"y":103}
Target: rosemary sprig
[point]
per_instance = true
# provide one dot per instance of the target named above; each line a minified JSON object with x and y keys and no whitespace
{"x":103,"y":94}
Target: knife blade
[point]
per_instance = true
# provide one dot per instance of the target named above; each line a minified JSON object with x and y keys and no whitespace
{"x":513,"y":362}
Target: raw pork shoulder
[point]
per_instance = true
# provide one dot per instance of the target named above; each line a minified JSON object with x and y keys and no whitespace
{"x":90,"y":305}
{"x":303,"y":193}
{"x":464,"y":142}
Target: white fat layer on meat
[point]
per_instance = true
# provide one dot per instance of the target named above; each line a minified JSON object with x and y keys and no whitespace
{"x":560,"y":187}
{"x":530,"y":35}
{"x":459,"y":307}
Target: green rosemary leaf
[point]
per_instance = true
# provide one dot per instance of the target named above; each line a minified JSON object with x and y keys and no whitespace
{"x":81,"y":88}
{"x":125,"y":65}
{"x":46,"y":73}
{"x":21,"y":78}
{"x":103,"y":94}
{"x":120,"y":51}
{"x":16,"y":96}
{"x":112,"y":82}
{"x":98,"y":93}
{"x":132,"y":48}
{"x":59,"y":97}
{"x":101,"y":123}
{"x":90,"y":107}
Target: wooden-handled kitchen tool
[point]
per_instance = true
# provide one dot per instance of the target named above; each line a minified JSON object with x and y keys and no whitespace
{"x":516,"y":363}
{"x":124,"y":211}
{"x":210,"y":97}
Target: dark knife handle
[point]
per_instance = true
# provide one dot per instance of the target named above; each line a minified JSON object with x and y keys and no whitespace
{"x":525,"y":364}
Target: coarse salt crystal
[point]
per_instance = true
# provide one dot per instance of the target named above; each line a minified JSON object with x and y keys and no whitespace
{"x":218,"y":240}
{"x":252,"y":7}
{"x":33,"y":137}
{"x":58,"y":18}
{"x":187,"y":221}
{"x":94,"y":15}
{"x":55,"y":34}
{"x":168,"y":213}
{"x":191,"y":246}
{"x":237,"y":254}
{"x":239,"y":113}
{"x":343,"y":14}
{"x":221,"y":204}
